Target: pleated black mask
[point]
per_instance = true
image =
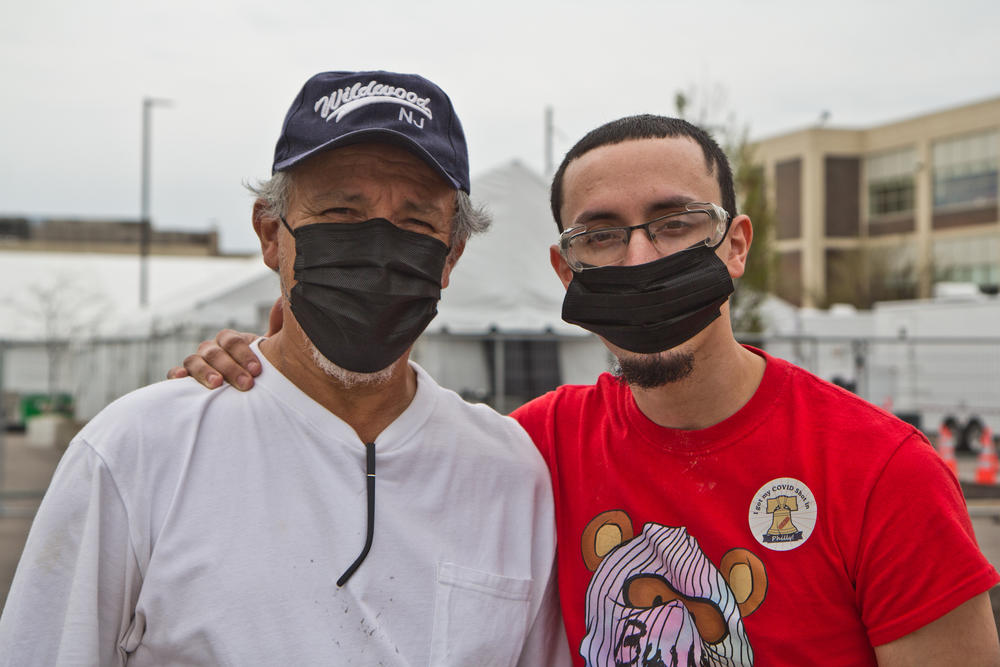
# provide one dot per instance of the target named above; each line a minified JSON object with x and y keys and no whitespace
{"x":650,"y":307}
{"x":365,"y":291}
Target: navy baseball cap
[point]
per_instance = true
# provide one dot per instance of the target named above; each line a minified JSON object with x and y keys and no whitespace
{"x":336,"y":109}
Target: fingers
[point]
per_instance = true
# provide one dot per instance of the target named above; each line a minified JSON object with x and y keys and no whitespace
{"x":211,"y":364}
{"x":197,"y":367}
{"x":236,"y":346}
{"x":227,"y":358}
{"x":176,"y":372}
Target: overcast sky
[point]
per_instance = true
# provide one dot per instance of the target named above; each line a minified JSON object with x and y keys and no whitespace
{"x":73,"y":74}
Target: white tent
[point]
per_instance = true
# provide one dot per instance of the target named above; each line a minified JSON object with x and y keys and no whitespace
{"x":504,"y":299}
{"x":71,"y":323}
{"x":498,"y":333}
{"x":65,"y":295}
{"x":504,"y":281}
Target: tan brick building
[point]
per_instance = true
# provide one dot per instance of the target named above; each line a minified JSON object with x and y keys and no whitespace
{"x":101,"y":236}
{"x":885,"y":212}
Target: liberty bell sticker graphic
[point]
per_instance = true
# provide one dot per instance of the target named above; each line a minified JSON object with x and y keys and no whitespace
{"x":772,"y":509}
{"x":782,"y":529}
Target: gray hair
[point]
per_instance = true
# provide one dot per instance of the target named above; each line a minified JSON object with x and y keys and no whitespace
{"x":470,"y":217}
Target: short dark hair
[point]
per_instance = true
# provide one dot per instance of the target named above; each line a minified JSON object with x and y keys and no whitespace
{"x":648,"y":126}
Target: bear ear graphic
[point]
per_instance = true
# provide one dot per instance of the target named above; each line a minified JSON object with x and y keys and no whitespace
{"x":747,"y":578}
{"x":604,"y":532}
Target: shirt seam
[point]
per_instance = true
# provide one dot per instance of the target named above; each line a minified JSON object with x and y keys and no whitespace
{"x":121,"y":498}
{"x":947,"y":602}
{"x":868,"y":494}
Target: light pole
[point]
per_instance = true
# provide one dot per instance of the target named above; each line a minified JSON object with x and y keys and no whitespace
{"x":145,"y":225}
{"x":548,"y":143}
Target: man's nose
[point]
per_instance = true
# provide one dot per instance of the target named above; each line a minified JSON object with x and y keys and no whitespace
{"x":640,"y":249}
{"x":381,"y":206}
{"x":381,"y":210}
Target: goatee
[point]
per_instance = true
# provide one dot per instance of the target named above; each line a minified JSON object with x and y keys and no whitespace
{"x":649,"y":371}
{"x":345,"y":377}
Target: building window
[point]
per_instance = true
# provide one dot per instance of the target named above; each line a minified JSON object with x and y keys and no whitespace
{"x":530,"y":368}
{"x":965,"y":170}
{"x":15,"y":228}
{"x":788,"y":191}
{"x":893,"y":272}
{"x":890,"y":182}
{"x":974,"y":259}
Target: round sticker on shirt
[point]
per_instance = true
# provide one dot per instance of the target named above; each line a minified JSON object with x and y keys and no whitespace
{"x":783,"y":514}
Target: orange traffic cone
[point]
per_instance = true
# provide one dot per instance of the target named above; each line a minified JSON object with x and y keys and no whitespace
{"x":946,"y":448}
{"x":987,"y":465}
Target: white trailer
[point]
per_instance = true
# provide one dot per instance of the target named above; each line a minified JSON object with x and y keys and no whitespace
{"x":944,"y":361}
{"x":932,"y":361}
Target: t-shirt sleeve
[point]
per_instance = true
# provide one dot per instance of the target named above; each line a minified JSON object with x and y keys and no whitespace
{"x":534,"y":417}
{"x":918,"y":557}
{"x":75,"y":587}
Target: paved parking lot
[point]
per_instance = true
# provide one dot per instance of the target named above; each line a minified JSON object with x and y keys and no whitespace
{"x":25,"y":469}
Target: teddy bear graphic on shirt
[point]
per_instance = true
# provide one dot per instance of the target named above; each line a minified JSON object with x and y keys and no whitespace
{"x":656,"y":599}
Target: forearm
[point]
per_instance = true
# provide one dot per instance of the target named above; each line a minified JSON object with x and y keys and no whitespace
{"x":965,"y":636}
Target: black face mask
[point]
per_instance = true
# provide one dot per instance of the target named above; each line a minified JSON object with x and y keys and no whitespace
{"x":650,"y":307}
{"x":365,"y":290}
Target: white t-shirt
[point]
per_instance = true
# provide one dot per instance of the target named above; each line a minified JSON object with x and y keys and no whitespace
{"x":196,"y":527}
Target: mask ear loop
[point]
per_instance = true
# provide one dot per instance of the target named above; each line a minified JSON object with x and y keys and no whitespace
{"x":370,"y":447}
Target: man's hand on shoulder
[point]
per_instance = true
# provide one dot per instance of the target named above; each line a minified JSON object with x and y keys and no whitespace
{"x":228,"y":357}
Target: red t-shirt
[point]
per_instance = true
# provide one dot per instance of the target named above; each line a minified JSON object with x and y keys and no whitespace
{"x":803,"y":530}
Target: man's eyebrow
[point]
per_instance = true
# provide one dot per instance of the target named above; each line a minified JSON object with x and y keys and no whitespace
{"x":669,"y":204}
{"x":317,"y":202}
{"x":597,"y":215}
{"x":420,"y":207}
{"x":340,"y":195}
{"x":603,"y":215}
{"x":320,"y":202}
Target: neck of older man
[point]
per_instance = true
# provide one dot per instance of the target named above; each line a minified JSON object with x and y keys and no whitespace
{"x":368,"y":408}
{"x":723,"y":378}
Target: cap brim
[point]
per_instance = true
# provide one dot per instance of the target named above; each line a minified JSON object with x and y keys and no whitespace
{"x":375,"y":134}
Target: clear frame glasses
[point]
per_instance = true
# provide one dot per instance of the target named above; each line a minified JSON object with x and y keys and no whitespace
{"x":697,"y":224}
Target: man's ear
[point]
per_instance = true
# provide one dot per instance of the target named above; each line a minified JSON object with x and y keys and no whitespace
{"x":449,"y":263}
{"x":738,"y":247}
{"x":559,"y":264}
{"x":267,"y":228}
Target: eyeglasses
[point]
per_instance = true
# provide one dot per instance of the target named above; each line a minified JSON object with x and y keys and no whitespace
{"x":699,"y":224}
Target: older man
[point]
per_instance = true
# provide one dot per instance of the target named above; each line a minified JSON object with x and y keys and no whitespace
{"x":346,"y":512}
{"x":717,"y":505}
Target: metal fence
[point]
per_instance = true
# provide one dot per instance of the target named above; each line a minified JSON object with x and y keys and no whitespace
{"x":92,"y":372}
{"x":927,"y":381}
{"x":76,"y":379}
